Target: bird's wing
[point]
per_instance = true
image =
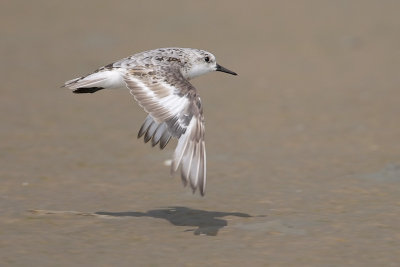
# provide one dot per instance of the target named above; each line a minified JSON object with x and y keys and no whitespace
{"x":174,"y":109}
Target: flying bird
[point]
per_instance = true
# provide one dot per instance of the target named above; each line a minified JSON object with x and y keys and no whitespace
{"x":159,"y":82}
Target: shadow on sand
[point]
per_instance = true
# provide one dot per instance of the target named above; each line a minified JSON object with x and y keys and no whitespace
{"x":207,"y":222}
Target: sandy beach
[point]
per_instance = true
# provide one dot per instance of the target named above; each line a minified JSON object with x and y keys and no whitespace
{"x":303,"y":146}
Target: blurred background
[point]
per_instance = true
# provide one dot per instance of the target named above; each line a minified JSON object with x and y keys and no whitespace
{"x":303,"y":146}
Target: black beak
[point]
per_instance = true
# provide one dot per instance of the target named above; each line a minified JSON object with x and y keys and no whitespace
{"x":222,"y":69}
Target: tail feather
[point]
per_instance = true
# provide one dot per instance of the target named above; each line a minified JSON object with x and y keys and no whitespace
{"x":71,"y":82}
{"x":84,"y":90}
{"x":95,"y":82}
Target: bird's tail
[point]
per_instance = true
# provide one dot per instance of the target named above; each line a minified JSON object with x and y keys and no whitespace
{"x":95,"y":82}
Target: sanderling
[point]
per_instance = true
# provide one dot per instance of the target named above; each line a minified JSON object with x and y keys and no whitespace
{"x":159,"y":81}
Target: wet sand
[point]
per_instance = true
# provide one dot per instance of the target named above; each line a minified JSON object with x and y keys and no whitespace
{"x":303,"y":146}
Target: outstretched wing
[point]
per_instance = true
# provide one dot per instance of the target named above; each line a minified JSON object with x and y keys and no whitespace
{"x":175,"y":110}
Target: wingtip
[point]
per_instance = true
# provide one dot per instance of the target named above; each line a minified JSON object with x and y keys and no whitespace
{"x":202,"y":191}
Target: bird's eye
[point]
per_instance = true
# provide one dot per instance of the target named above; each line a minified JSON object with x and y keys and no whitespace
{"x":206,"y":59}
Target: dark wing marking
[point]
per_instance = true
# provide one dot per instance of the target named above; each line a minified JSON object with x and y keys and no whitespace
{"x":174,"y":111}
{"x":157,"y":132}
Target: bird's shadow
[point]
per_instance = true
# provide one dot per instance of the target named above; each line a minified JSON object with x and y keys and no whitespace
{"x":207,"y":222}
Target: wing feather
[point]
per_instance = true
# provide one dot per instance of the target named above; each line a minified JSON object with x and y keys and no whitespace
{"x":175,"y":110}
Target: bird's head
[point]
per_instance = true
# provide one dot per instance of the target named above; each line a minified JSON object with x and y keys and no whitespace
{"x":200,"y":62}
